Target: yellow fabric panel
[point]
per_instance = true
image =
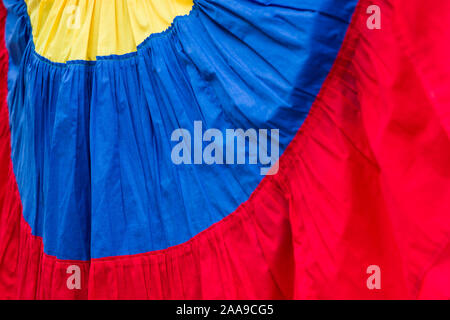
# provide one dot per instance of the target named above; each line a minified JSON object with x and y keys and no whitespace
{"x":65,"y":30}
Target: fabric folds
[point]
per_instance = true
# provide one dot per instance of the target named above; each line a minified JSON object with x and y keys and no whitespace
{"x":364,"y":181}
{"x":92,"y":140}
{"x":82,"y":30}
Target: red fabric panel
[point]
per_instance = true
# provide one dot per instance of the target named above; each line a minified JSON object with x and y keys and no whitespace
{"x":366,"y":181}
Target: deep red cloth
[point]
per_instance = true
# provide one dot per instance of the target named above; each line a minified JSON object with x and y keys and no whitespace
{"x":366,"y":181}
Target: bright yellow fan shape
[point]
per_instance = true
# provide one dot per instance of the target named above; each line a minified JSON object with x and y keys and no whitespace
{"x":65,"y":30}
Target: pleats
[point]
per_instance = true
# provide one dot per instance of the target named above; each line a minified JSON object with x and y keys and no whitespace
{"x":92,"y":140}
{"x":82,"y":30}
{"x":363,"y":183}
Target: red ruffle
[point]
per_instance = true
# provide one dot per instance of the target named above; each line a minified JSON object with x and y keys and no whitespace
{"x":366,"y":181}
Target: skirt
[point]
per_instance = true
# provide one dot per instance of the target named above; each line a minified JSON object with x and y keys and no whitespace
{"x":135,"y":157}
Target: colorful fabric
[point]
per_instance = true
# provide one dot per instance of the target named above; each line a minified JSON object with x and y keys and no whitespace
{"x":89,"y":109}
{"x":96,"y":176}
{"x":82,"y":30}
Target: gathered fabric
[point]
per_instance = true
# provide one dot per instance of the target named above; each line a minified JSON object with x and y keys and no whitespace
{"x":92,"y":147}
{"x":362,"y":181}
{"x":82,"y":30}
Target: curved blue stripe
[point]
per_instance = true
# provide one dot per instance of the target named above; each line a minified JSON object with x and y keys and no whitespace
{"x":92,"y":141}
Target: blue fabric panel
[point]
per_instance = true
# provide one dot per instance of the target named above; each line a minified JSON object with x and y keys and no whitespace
{"x":92,"y":140}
